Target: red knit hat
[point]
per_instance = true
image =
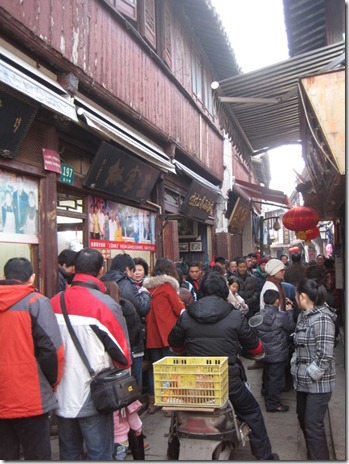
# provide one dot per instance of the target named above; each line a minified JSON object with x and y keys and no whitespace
{"x":264,"y":260}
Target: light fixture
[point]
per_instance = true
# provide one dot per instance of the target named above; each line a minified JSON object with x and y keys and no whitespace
{"x":214,"y":85}
{"x":277,"y":225}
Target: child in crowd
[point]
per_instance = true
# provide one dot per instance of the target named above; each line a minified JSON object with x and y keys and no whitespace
{"x":274,"y":332}
{"x":234,"y":298}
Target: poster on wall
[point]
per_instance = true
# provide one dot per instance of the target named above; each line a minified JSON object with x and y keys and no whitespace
{"x":19,"y":216}
{"x":119,"y":227}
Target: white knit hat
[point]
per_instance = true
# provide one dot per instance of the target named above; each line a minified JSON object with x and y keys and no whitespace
{"x":273,"y":266}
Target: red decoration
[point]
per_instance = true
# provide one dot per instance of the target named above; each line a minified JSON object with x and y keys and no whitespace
{"x":300,"y":218}
{"x":294,"y":250}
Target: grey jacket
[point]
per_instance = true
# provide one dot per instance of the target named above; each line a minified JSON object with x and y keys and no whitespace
{"x":313,"y":363}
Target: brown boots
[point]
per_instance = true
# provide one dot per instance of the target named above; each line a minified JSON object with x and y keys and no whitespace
{"x":152,"y":409}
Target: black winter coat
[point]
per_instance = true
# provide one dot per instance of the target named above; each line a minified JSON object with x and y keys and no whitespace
{"x":249,"y":290}
{"x":274,"y":332}
{"x":212,"y":327}
{"x":129,"y":291}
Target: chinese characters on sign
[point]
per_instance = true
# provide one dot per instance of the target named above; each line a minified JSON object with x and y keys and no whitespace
{"x":238,"y":216}
{"x":199,"y":202}
{"x":115,"y":171}
{"x":119,"y":227}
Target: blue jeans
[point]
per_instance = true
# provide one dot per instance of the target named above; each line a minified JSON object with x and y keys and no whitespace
{"x":96,"y":431}
{"x":311,"y":410}
{"x":136,"y":370}
{"x":156,"y":354}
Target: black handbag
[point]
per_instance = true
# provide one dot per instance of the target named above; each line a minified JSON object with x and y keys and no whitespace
{"x":112,"y":388}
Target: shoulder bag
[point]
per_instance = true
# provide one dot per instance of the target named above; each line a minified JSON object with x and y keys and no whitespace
{"x":112,"y":388}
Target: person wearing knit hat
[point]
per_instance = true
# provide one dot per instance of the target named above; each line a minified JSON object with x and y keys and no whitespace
{"x":275,"y":270}
{"x":274,"y":266}
{"x":260,"y":273}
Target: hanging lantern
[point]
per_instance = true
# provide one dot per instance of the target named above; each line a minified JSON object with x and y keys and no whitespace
{"x":300,"y":218}
{"x":308,"y":235}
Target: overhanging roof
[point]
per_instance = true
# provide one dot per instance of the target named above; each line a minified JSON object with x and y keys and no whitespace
{"x":264,"y":193}
{"x":264,"y":103}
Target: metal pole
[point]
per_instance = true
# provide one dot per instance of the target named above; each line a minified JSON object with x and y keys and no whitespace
{"x":261,"y":235}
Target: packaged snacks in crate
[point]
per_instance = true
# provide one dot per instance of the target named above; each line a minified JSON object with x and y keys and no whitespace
{"x":191,"y":381}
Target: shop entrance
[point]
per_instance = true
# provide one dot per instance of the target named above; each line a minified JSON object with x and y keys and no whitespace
{"x":70,"y":221}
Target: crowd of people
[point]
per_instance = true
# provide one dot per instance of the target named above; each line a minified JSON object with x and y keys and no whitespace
{"x":128,"y":315}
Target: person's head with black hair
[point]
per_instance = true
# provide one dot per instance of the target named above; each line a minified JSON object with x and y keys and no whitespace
{"x":66,"y":260}
{"x":329,"y":263}
{"x":141,"y":269}
{"x":89,"y":261}
{"x":296,"y":257}
{"x":213,"y":283}
{"x":220,"y":261}
{"x":20,"y":270}
{"x":165,"y":266}
{"x":122,"y":262}
{"x":310,"y":293}
{"x":271,"y":297}
{"x":234,"y":284}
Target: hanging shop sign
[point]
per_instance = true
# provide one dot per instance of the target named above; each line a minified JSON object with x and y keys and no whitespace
{"x":52,"y":160}
{"x":199,"y":202}
{"x":16,"y":117}
{"x":238,"y":216}
{"x":19,"y":217}
{"x":115,"y":171}
{"x":113,"y":226}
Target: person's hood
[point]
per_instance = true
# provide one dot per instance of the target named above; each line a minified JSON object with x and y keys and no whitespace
{"x":156,"y":281}
{"x":209,"y":309}
{"x":112,"y":274}
{"x":269,"y":314}
{"x":11,"y":292}
{"x":325,"y":309}
{"x":90,"y":280}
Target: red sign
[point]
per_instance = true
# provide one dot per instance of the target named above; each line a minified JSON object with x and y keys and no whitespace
{"x":108,"y":244}
{"x":52,"y":161}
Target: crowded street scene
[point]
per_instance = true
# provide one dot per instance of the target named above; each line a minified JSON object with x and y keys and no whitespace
{"x":172,"y":230}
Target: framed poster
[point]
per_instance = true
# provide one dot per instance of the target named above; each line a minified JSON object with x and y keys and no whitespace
{"x":183,"y":247}
{"x":187,"y":228}
{"x":195,"y":246}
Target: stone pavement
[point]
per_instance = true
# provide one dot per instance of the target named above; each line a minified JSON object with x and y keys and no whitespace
{"x":283,"y":429}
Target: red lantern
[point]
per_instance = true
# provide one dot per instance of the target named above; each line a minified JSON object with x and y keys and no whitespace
{"x":300,"y":218}
{"x":308,"y":235}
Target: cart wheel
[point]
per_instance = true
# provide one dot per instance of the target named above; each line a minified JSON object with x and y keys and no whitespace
{"x":223,"y":452}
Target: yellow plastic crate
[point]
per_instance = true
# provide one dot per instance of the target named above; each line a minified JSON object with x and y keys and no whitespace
{"x":191,"y":381}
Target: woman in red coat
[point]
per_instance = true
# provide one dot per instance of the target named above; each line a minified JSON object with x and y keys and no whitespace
{"x":165,"y":308}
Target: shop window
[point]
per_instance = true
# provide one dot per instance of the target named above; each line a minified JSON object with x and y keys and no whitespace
{"x":70,"y":220}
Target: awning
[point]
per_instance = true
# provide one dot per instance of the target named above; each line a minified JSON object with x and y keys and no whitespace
{"x":182,"y":169}
{"x":15,"y":73}
{"x":263,"y":193}
{"x":260,"y":109}
{"x":113,"y":129}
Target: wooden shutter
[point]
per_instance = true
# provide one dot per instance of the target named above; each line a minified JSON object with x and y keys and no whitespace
{"x":127,"y":7}
{"x":170,"y":241}
{"x":148,"y":21}
{"x":166,"y":33}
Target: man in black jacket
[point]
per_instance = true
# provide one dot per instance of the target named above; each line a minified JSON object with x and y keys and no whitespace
{"x":121,"y":271}
{"x":211,"y":327}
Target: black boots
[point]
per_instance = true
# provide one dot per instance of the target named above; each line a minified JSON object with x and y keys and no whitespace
{"x":136,"y":445}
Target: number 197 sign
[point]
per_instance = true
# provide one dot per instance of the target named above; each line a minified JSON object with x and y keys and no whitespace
{"x":67,"y":175}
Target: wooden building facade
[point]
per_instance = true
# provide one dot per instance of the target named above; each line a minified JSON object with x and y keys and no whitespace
{"x":107,"y":112}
